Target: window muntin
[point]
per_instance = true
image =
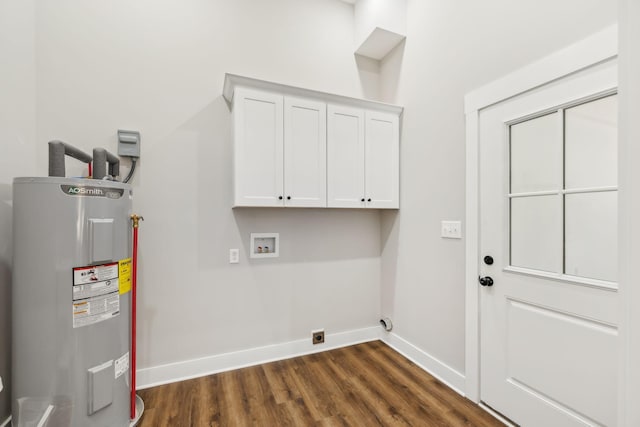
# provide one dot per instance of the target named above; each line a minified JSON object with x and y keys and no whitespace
{"x":563,"y":191}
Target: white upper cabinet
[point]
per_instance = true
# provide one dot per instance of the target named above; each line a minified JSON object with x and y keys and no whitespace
{"x":258,"y":148}
{"x":280,"y":150}
{"x":381,"y":160}
{"x":305,"y":153}
{"x":295,"y":147}
{"x":363,"y":158}
{"x":345,"y":156}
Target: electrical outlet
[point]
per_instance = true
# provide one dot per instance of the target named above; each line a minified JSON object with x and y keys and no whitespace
{"x":317,"y":337}
{"x":451,"y":229}
{"x":234,"y":256}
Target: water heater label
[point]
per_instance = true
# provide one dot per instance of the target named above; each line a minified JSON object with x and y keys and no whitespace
{"x":124,"y":275}
{"x":96,"y":294}
{"x":122,"y":364}
{"x":91,"y":191}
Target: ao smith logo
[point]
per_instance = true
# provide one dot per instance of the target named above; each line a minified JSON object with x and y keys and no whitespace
{"x":88,"y":191}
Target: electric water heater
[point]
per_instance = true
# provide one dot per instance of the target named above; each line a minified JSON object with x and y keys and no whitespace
{"x":71,"y":302}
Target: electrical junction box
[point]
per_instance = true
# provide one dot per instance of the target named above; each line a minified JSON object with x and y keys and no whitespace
{"x":128,"y":143}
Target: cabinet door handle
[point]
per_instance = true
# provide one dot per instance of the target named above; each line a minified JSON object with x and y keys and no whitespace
{"x":279,"y":197}
{"x":362,"y":200}
{"x":368,"y":200}
{"x":288,"y":197}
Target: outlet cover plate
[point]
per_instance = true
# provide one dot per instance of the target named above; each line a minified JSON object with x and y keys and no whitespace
{"x":234,"y":256}
{"x":451,"y":229}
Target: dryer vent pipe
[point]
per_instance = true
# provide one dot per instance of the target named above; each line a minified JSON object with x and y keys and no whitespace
{"x":385,"y":322}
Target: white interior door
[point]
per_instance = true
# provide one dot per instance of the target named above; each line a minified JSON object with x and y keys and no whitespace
{"x":548,"y":220}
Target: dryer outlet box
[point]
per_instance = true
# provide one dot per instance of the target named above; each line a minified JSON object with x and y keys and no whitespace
{"x":317,"y":337}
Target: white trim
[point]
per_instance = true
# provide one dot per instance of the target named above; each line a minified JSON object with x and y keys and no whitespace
{"x":231,"y":81}
{"x":188,"y":369}
{"x":449,"y":376}
{"x":629,"y":210}
{"x":472,"y":298}
{"x":595,"y":49}
{"x":6,"y":422}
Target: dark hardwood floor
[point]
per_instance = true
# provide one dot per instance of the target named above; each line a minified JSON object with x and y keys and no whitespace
{"x":368,"y":384}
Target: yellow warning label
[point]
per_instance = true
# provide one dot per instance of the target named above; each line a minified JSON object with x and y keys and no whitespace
{"x":124,"y":273}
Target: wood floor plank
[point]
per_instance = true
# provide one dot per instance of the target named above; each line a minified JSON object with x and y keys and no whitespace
{"x":351,"y":406}
{"x":367,"y":385}
{"x":433,"y":393}
{"x":314,"y":391}
{"x":383,"y":391}
{"x":261,"y":403}
{"x":233,"y":411}
{"x":280,"y":381}
{"x":418,"y":397}
{"x":295,"y":413}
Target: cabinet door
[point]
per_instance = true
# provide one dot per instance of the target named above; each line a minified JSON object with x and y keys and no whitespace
{"x":382,"y":164}
{"x":345,"y":157}
{"x":258,"y":148}
{"x":305,"y":153}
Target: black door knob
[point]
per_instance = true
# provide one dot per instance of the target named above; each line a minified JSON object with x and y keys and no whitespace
{"x":279,"y":197}
{"x":485,"y":281}
{"x":368,"y":200}
{"x":488,"y":260}
{"x":288,"y":197}
{"x":362,"y":200}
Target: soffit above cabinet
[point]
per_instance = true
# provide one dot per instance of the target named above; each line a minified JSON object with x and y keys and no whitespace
{"x":379,"y":43}
{"x":231,"y":81}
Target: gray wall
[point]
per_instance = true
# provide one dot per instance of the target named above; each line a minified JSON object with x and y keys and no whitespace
{"x":17,"y":139}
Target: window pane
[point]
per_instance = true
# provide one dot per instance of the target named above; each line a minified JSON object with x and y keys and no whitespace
{"x":536,"y":233}
{"x":535,"y":150}
{"x":591,"y":225}
{"x":591,"y":144}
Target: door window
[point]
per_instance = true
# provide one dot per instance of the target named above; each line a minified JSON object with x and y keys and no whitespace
{"x":563,"y":191}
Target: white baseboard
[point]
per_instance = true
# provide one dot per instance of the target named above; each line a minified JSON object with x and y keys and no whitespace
{"x":179,"y":371}
{"x":6,"y":422}
{"x":435,"y":367}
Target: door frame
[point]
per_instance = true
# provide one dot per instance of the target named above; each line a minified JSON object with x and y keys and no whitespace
{"x":599,"y":47}
{"x":629,"y":202}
